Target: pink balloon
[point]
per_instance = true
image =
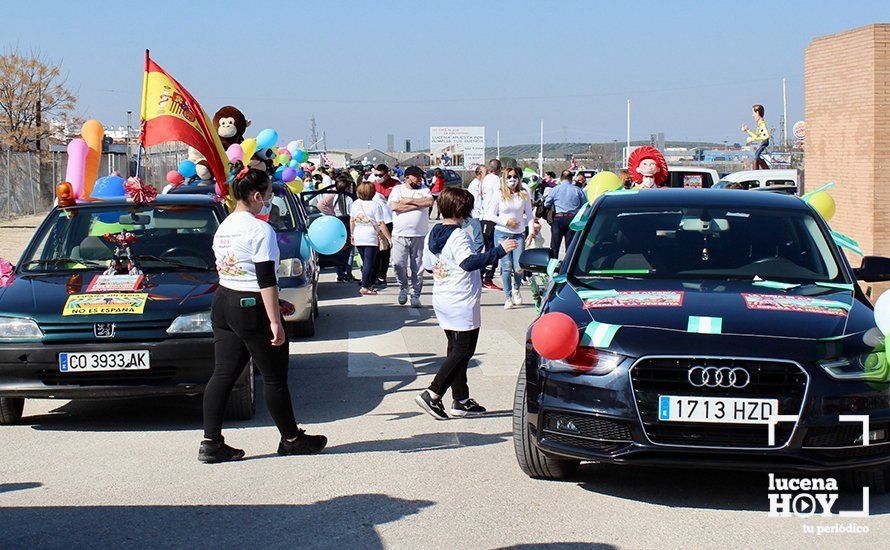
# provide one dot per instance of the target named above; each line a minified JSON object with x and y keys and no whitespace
{"x":77,"y":159}
{"x":235,"y":153}
{"x":174,"y":177}
{"x":283,"y":151}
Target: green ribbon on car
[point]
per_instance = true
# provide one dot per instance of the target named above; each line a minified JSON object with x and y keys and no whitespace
{"x":845,"y":242}
{"x":580,"y":219}
{"x":598,"y":335}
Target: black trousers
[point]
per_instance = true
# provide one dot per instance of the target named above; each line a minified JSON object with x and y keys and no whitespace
{"x":559,"y":231}
{"x":243,"y":332}
{"x":382,"y":262}
{"x":369,"y":264}
{"x":453,"y":372}
{"x":488,"y":243}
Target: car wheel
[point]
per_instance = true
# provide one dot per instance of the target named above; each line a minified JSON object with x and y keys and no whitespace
{"x":242,"y":401}
{"x":11,"y":410}
{"x":877,"y":480}
{"x":302,"y":329}
{"x":531,"y":460}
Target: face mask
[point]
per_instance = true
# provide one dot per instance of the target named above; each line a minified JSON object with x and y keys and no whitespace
{"x":414,"y":184}
{"x":512,"y":182}
{"x":266,"y":209}
{"x":379,"y":179}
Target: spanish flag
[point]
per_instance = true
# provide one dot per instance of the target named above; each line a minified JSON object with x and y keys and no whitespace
{"x":170,"y":113}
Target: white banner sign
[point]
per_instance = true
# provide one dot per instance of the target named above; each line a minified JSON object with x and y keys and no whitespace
{"x":459,"y":147}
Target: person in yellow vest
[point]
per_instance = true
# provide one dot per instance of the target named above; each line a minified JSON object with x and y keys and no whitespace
{"x":761,"y":134}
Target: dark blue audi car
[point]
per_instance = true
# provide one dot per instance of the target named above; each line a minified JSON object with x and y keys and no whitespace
{"x":718,"y":329}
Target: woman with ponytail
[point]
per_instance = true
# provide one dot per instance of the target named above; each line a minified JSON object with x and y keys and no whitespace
{"x":247,"y":321}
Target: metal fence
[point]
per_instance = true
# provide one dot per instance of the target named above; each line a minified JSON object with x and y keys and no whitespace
{"x":20,"y":189}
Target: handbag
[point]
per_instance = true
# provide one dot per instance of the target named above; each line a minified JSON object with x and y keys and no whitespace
{"x":382,"y":242}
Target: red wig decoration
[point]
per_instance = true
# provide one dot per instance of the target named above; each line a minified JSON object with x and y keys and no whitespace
{"x":639,"y":155}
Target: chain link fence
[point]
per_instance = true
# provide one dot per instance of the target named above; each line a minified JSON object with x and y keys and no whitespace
{"x":20,"y":189}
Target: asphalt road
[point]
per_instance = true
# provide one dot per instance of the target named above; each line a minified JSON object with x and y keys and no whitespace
{"x":116,"y":473}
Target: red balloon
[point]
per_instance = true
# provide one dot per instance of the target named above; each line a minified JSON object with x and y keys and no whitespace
{"x":174,"y":177}
{"x":555,"y":336}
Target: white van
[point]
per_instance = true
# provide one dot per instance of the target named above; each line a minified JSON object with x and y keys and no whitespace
{"x":696,"y":177}
{"x":754,"y":179}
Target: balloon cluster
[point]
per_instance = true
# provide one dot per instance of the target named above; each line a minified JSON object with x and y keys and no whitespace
{"x":84,"y":155}
{"x":286,"y":160}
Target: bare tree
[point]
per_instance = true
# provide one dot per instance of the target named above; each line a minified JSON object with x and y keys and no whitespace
{"x":32,"y":91}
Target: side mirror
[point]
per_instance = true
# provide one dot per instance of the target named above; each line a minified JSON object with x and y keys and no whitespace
{"x":535,"y":259}
{"x":873,"y":269}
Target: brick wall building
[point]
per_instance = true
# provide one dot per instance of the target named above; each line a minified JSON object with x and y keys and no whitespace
{"x":848,"y":130}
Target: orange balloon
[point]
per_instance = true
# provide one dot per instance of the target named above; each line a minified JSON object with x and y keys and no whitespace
{"x":92,"y":132}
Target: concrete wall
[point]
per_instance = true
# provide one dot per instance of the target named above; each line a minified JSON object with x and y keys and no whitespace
{"x":848,"y":130}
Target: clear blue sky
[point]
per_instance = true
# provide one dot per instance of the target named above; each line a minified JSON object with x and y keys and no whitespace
{"x":365,"y":69}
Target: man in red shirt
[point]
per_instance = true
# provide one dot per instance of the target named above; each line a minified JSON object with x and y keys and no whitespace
{"x":383,"y":180}
{"x":384,"y":183}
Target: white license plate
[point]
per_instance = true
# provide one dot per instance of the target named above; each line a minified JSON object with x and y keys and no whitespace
{"x":104,"y":360}
{"x":726,"y":410}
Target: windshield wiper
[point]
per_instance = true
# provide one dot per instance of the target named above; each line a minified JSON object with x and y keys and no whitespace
{"x":51,"y":261}
{"x":174,"y":263}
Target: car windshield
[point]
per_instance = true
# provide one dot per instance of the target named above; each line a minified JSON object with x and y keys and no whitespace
{"x":706,"y":243}
{"x":167,"y":238}
{"x":281,"y":218}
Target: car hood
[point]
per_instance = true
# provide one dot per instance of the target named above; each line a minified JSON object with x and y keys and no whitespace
{"x":743,"y":313}
{"x":43,"y":296}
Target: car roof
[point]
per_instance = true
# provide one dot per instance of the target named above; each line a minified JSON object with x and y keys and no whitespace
{"x":180,"y":199}
{"x":702,"y":197}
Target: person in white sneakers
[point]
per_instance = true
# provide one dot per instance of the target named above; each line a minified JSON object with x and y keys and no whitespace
{"x":410,"y":203}
{"x":457,"y":292}
{"x":511,"y":211}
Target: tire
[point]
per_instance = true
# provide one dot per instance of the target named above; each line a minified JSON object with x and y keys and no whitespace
{"x":242,"y":401}
{"x":11,"y":410}
{"x":531,"y":460}
{"x":302,"y":329}
{"x":877,"y":480}
{"x":315,"y":305}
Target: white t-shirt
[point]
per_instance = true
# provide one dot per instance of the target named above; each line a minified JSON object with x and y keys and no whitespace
{"x":491,"y":189}
{"x":367,"y":216}
{"x":414,"y":223}
{"x":475,"y":189}
{"x":241,"y":241}
{"x":456,"y":293}
{"x":387,"y":211}
{"x":515,"y":208}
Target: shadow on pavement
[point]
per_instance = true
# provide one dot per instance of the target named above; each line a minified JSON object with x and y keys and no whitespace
{"x":698,"y":488}
{"x":421,"y":443}
{"x":10,"y":487}
{"x":341,"y":522}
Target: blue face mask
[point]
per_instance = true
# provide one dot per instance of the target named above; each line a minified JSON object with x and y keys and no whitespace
{"x":266,"y":209}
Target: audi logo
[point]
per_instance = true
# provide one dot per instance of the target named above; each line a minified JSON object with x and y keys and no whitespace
{"x":718,"y":377}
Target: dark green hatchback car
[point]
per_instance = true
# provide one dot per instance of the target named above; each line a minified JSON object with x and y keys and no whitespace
{"x":64,"y":336}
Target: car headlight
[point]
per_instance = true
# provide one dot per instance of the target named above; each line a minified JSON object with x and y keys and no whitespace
{"x":585,"y":360}
{"x":19,"y":328}
{"x":872,"y":366}
{"x":291,"y":267}
{"x":191,"y":324}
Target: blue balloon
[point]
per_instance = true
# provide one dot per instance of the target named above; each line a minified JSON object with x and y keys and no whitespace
{"x":301,"y":173}
{"x":108,"y":187}
{"x":266,"y":138}
{"x":278,"y":172}
{"x":187,"y":169}
{"x":327,"y":235}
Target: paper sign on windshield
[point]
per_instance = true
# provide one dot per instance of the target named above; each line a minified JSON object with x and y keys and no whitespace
{"x":637,"y":298}
{"x":799,"y":304}
{"x":114,"y":303}
{"x":115,"y":283}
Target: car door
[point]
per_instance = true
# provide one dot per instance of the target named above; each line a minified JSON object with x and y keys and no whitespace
{"x":309,"y":199}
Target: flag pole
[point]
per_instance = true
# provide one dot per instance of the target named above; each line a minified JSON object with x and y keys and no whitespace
{"x":142,"y":116}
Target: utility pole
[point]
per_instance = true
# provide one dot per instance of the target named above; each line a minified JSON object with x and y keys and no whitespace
{"x":541,"y":154}
{"x":313,"y":130}
{"x":784,"y":115}
{"x":498,"y":156}
{"x":627,"y":151}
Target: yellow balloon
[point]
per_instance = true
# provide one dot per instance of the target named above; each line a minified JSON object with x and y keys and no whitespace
{"x":296,"y":186}
{"x":823,"y":203}
{"x":248,"y":147}
{"x":602,"y":183}
{"x":231,"y":202}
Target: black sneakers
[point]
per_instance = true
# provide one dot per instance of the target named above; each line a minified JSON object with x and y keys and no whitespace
{"x":468,"y":408}
{"x":303,"y":445}
{"x":432,"y":406}
{"x":212,"y":452}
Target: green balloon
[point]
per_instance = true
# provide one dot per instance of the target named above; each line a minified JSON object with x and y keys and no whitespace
{"x":293,"y":164}
{"x":283,"y":159}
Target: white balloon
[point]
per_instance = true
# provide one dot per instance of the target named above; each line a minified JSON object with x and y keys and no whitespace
{"x":882,"y":313}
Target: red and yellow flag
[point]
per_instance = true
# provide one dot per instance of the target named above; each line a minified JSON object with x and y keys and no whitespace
{"x":170,"y":113}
